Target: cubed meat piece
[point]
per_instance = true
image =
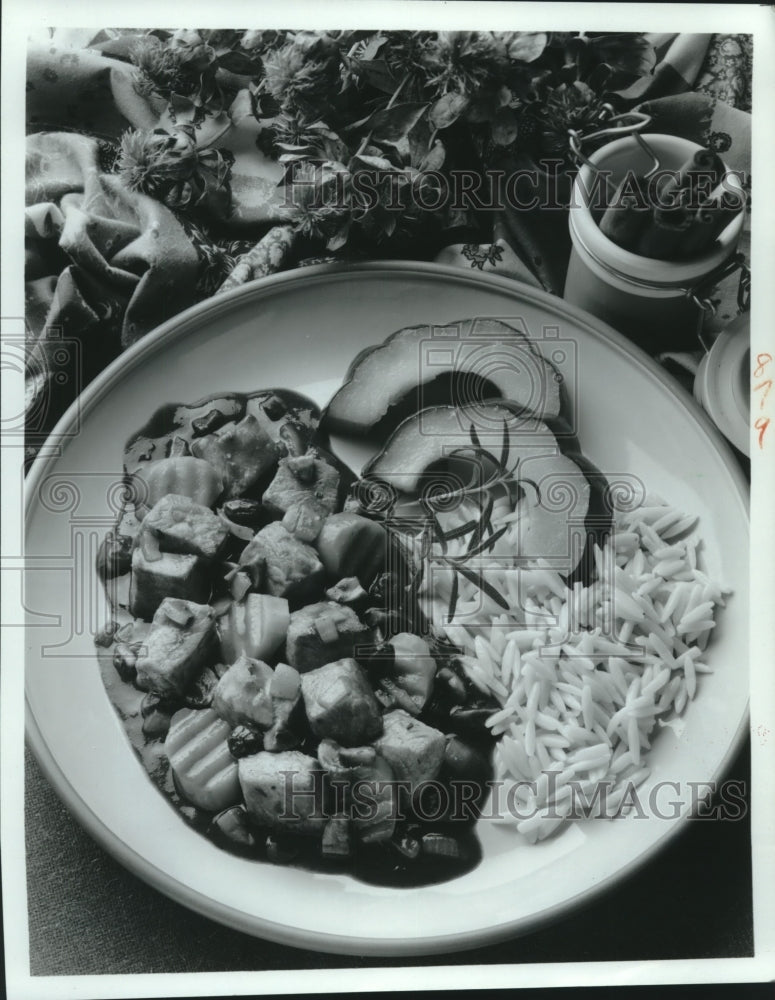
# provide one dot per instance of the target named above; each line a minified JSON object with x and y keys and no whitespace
{"x":301,"y":479}
{"x":340,"y":703}
{"x":305,"y":519}
{"x":242,"y":697}
{"x":204,"y":770}
{"x":256,"y":625}
{"x":167,"y":574}
{"x":242,"y":455}
{"x":284,"y":791}
{"x":181,"y":642}
{"x":323,"y":632}
{"x":413,"y":750}
{"x":282,"y":565}
{"x":363,"y":785}
{"x":186,"y":527}
{"x":351,"y":545}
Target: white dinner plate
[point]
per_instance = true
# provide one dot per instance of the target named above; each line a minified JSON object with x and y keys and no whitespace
{"x":722,"y":380}
{"x":300,"y":330}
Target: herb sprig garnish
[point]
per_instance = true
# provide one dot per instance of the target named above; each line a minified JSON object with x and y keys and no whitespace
{"x":483,"y":534}
{"x":479,"y":581}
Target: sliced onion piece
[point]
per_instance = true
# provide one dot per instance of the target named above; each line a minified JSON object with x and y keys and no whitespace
{"x":178,"y":612}
{"x":238,"y":530}
{"x":240,"y":585}
{"x":149,"y":544}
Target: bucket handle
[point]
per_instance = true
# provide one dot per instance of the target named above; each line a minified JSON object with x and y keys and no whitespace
{"x":639,"y":122}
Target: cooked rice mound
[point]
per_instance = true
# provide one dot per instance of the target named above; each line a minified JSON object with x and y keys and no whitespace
{"x":583,"y":674}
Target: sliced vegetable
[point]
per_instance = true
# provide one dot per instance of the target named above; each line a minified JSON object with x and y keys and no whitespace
{"x":149,"y":546}
{"x":288,"y":727}
{"x":240,"y":585}
{"x":204,"y":770}
{"x":485,"y":356}
{"x":286,"y":682}
{"x":241,"y":531}
{"x":255,"y":626}
{"x":555,"y":490}
{"x":185,"y":476}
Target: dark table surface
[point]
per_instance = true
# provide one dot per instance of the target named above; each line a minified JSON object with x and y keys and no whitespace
{"x":90,"y":916}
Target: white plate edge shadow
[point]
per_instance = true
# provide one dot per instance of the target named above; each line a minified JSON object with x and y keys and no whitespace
{"x":169,"y":332}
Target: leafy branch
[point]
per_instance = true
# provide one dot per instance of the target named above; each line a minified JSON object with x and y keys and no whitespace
{"x":366,"y":121}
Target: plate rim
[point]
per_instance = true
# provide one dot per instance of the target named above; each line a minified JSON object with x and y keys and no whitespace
{"x":174,"y":328}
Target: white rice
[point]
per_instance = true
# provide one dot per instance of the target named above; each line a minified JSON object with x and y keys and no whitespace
{"x":582,"y":675}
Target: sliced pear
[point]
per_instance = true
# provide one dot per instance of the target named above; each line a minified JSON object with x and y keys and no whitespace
{"x":462,"y":362}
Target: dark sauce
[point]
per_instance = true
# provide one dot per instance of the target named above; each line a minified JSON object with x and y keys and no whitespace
{"x":376,"y":864}
{"x":373,"y":864}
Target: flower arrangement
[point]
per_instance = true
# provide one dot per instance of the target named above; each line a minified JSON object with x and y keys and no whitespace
{"x":366,"y":122}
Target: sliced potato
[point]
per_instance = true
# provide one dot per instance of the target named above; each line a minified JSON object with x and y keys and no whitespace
{"x":204,"y":770}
